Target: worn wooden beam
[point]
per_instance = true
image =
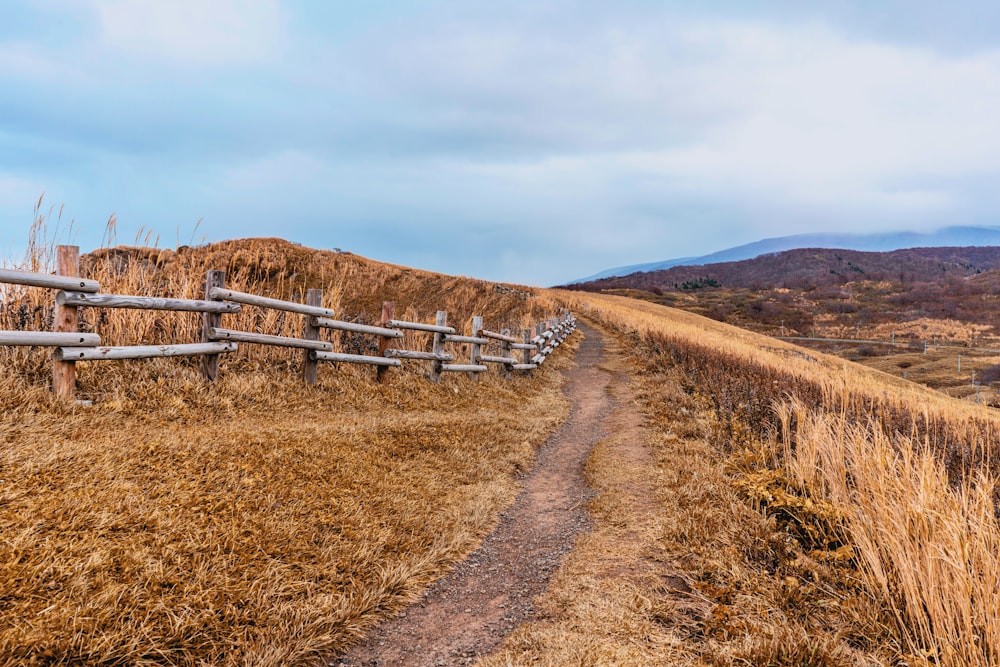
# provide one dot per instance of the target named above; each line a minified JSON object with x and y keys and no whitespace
{"x":526,"y":348}
{"x":31,"y":279}
{"x":497,"y":336}
{"x":475,"y":344}
{"x":142,"y":351}
{"x":327,"y":323}
{"x":49,"y":338}
{"x":66,"y":320}
{"x":273,"y":304}
{"x":524,"y":367}
{"x":419,"y":356}
{"x":494,"y":360}
{"x":419,"y":326}
{"x":216,"y":333}
{"x":310,"y":369}
{"x":471,"y":340}
{"x":210,"y":362}
{"x":79,"y":299}
{"x":458,"y":368}
{"x":440,"y":325}
{"x":355,"y":359}
{"x":505,"y":344}
{"x":388,"y":312}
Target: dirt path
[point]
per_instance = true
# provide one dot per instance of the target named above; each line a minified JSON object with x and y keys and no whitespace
{"x":469,"y":612}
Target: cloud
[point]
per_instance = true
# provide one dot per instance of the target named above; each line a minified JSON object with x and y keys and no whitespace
{"x":648,"y":130}
{"x":762,"y":110}
{"x":192,"y":32}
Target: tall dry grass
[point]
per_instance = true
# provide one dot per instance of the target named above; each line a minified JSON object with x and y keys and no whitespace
{"x":902,"y":478}
{"x":353,"y":286}
{"x":929,"y":547}
{"x":255,"y":521}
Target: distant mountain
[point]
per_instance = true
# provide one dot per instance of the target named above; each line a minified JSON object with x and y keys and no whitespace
{"x":808,"y":268}
{"x":958,"y":236}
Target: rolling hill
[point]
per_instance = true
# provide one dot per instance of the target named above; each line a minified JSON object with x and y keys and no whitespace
{"x":884,"y":242}
{"x":812,"y":267}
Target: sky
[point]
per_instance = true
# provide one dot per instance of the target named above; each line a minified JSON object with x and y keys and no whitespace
{"x":532,"y":142}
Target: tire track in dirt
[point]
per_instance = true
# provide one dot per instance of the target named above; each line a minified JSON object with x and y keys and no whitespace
{"x":468,"y":612}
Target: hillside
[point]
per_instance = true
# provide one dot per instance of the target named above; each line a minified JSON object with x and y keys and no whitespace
{"x":256,"y":520}
{"x":742,"y":501}
{"x":959,"y":236}
{"x":353,"y":286}
{"x":872,"y":533}
{"x":940,"y":305}
{"x":813,"y":267}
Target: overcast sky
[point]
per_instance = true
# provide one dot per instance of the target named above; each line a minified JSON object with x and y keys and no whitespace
{"x":532,"y":142}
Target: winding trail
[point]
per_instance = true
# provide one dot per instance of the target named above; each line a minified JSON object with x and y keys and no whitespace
{"x":469,"y":612}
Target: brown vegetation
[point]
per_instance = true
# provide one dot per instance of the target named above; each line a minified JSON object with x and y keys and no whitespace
{"x":257,"y":520}
{"x":810,"y":268}
{"x":679,"y":569}
{"x":784,"y":506}
{"x":354,"y":286}
{"x":894,"y":480}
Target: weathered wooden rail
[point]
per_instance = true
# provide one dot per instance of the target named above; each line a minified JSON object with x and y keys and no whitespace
{"x":70,"y":345}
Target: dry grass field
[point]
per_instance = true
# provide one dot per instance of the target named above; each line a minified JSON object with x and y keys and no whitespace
{"x":955,"y":322}
{"x":258,"y":520}
{"x":763,"y":504}
{"x":885,"y":492}
{"x":679,"y":568}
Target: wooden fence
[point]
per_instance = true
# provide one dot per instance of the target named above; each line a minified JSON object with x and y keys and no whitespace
{"x":71,"y":345}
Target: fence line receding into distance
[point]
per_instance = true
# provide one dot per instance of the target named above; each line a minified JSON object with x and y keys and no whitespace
{"x":71,"y":345}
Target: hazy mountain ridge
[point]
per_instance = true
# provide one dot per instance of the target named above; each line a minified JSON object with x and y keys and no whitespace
{"x":956,"y":236}
{"x":813,"y":267}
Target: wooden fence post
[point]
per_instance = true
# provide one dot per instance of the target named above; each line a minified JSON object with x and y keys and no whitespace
{"x":475,"y":348}
{"x":66,"y":319}
{"x":505,"y":353}
{"x":442,"y":321}
{"x":310,"y":367}
{"x":526,"y":353}
{"x":388,"y":312}
{"x":539,"y":330}
{"x":210,"y":362}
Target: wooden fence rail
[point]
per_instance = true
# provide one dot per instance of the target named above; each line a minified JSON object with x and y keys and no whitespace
{"x":141,"y":351}
{"x":79,"y":299}
{"x":29,"y":279}
{"x":70,"y":345}
{"x":266,"y":302}
{"x":49,"y":338}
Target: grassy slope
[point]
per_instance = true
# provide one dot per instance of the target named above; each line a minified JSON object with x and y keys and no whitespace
{"x":679,"y":569}
{"x":954,"y":317}
{"x":258,"y":521}
{"x":876,"y":530}
{"x":267,"y":522}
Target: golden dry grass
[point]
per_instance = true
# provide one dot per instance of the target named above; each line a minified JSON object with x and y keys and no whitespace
{"x":354,"y":286}
{"x":878,"y":481}
{"x":255,"y":521}
{"x":679,"y":569}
